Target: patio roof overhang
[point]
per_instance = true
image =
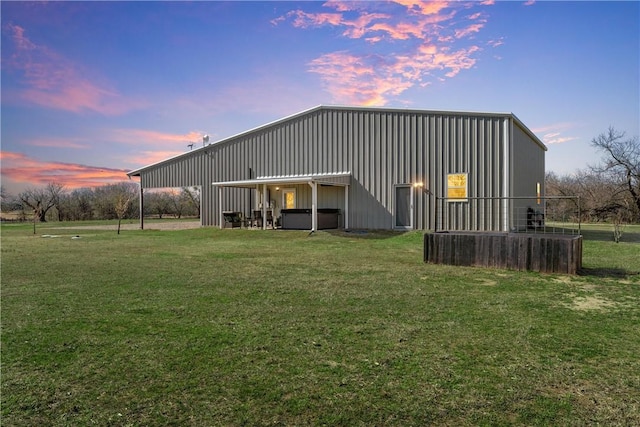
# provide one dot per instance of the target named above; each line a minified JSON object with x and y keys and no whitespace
{"x":341,"y":179}
{"x":338,"y":179}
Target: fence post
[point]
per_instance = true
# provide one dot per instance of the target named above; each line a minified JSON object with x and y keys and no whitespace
{"x":435,"y":219}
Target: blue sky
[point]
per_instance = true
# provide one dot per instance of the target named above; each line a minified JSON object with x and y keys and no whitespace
{"x":91,"y":90}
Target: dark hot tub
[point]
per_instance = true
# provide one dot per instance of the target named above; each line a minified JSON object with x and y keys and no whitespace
{"x":300,"y":219}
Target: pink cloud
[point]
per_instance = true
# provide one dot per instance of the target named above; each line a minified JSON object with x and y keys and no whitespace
{"x":496,"y":43}
{"x":359,"y":27}
{"x":59,"y":143}
{"x":427,"y":45}
{"x":154,"y":146}
{"x":373,"y":80}
{"x":52,"y":81}
{"x":149,"y":157}
{"x":555,"y":133}
{"x":557,"y":139}
{"x":155,"y":138}
{"x":22,"y":169}
{"x":400,"y":31}
{"x":554,"y":127}
{"x":424,"y":7}
{"x":366,"y":23}
{"x":471,"y":29}
{"x":302,"y":19}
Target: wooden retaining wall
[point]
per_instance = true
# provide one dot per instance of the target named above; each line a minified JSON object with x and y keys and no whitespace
{"x":535,"y":252}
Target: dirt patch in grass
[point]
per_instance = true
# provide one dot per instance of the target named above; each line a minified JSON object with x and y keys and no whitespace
{"x":590,"y":303}
{"x":169,"y":225}
{"x":486,"y":282}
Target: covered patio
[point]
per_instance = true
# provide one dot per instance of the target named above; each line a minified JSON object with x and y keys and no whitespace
{"x":266,"y":206}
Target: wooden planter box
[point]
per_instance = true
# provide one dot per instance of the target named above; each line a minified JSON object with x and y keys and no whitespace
{"x":535,"y":252}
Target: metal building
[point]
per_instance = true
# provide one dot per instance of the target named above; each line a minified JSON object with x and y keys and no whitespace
{"x":381,"y":168}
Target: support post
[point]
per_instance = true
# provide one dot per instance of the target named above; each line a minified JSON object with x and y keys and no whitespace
{"x":141,"y":207}
{"x":346,"y":207}
{"x":221,"y":216}
{"x":506,"y":170}
{"x":264,"y":206}
{"x":314,"y":205}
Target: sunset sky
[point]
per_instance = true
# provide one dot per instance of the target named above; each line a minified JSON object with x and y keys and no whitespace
{"x":91,"y":90}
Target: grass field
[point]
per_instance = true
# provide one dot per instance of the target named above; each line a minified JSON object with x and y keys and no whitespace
{"x":209,"y":327}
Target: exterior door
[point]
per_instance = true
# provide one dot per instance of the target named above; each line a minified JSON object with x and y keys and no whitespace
{"x":403,"y":215}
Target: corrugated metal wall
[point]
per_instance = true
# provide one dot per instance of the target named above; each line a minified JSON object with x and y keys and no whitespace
{"x":529,"y":170}
{"x":380,"y":148}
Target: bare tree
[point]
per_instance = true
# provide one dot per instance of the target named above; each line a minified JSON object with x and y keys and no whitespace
{"x":193,"y":195}
{"x":10,"y":203}
{"x":41,"y":200}
{"x":621,"y":164}
{"x":600,"y":197}
{"x":177,"y":202}
{"x":562,"y":209}
{"x":6,"y":202}
{"x":105,"y":197}
{"x":123,"y":196}
{"x":81,"y":203}
{"x":159,"y":203}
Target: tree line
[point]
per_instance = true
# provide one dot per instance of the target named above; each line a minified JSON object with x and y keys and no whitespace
{"x":111,"y":201}
{"x":608,"y":191}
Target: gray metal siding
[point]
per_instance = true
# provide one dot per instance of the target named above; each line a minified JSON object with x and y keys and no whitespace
{"x":380,"y":148}
{"x":181,"y":172}
{"x":528,"y":164}
{"x":528,"y":170}
{"x":475,"y":146}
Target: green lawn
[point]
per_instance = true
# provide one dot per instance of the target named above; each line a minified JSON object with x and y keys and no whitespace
{"x":211,"y":327}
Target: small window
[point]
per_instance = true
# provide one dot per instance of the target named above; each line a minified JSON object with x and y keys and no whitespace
{"x":289,"y":198}
{"x":457,"y":187}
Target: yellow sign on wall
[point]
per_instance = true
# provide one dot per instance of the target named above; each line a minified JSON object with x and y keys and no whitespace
{"x":457,"y":187}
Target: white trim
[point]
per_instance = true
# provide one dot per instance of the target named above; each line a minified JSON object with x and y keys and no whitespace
{"x":324,"y":178}
{"x":314,"y":175}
